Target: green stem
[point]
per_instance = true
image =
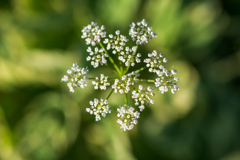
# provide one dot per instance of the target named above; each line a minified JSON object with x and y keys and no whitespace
{"x":112,"y":69}
{"x":121,"y":66}
{"x":126,"y":99}
{"x":139,"y":70}
{"x":146,"y":80}
{"x":111,"y":60}
{"x":126,"y":69}
{"x":110,"y":94}
{"x":115,"y":66}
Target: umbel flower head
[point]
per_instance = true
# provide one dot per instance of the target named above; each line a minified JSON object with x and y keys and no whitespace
{"x":101,"y":48}
{"x":143,"y":96}
{"x":127,"y":117}
{"x":123,"y":85}
{"x":75,"y":77}
{"x":99,"y":108}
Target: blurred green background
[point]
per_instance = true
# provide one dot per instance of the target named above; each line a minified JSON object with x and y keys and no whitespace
{"x":41,"y":120}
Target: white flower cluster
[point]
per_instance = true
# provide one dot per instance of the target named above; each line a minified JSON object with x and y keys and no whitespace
{"x":154,"y":62}
{"x":101,"y":83}
{"x":141,"y":33}
{"x":99,"y":108}
{"x":127,"y":117}
{"x":113,"y":51}
{"x":143,"y":96}
{"x":98,"y":56}
{"x":123,"y":85}
{"x":93,"y":33}
{"x":167,"y":82}
{"x":75,"y":77}
{"x":129,"y":57}
{"x":116,"y":43}
{"x":126,"y":54}
{"x":165,"y":78}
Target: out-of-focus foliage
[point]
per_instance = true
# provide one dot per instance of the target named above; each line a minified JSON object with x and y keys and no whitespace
{"x":41,"y":120}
